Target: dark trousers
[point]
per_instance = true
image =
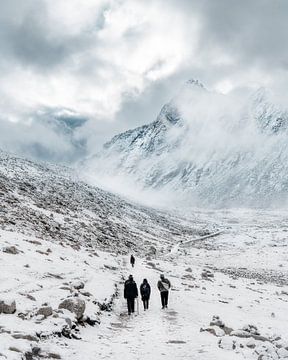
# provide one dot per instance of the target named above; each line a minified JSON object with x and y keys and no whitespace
{"x":164,"y":298}
{"x":145,"y":303}
{"x":130,"y":305}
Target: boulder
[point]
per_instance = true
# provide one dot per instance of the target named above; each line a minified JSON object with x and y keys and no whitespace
{"x":11,"y":250}
{"x":75,"y":305}
{"x":78,"y":285}
{"x":45,"y":311}
{"x":7,"y":306}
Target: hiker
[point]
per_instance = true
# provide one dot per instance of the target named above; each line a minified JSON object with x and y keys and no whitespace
{"x":164,"y":285}
{"x":132,"y":260}
{"x":145,"y":291}
{"x":130,"y":293}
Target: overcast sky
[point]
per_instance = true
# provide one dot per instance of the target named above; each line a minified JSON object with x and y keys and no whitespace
{"x":116,"y":62}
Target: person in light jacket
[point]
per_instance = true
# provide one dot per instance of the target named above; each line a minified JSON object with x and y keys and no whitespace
{"x":164,"y":285}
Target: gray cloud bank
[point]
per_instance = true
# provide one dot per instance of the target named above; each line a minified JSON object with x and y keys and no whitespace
{"x":113,"y":63}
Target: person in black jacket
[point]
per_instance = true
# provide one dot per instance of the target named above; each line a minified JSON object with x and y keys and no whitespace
{"x":145,"y":291}
{"x":132,"y":260}
{"x":130,"y":293}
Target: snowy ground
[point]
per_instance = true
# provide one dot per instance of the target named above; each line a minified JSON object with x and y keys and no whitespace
{"x":238,"y":293}
{"x":57,"y":233}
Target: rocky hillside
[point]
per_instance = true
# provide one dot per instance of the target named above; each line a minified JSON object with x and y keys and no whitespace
{"x":51,"y":203}
{"x":205,"y":148}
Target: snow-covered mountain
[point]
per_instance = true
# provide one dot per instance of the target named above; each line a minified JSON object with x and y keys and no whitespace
{"x":204,"y":148}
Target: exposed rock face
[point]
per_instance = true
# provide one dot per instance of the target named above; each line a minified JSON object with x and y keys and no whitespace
{"x":195,"y":150}
{"x":57,"y":190}
{"x":75,"y":305}
{"x":7,"y":306}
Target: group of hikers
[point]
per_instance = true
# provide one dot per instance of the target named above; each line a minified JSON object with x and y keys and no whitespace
{"x":131,"y":291}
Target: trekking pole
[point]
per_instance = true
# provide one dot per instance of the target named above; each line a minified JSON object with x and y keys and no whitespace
{"x":137,"y":305}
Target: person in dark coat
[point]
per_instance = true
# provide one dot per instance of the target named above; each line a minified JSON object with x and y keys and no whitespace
{"x":145,"y":291}
{"x":132,"y":260}
{"x":130,"y":293}
{"x":164,"y":285}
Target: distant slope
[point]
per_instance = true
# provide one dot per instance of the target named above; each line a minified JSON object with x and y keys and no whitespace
{"x":205,"y":149}
{"x":51,"y":203}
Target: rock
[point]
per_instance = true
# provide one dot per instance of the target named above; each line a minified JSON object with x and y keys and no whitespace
{"x":25,"y":337}
{"x":78,"y":285}
{"x":207,"y":275}
{"x":13,"y":348}
{"x":240,"y":333}
{"x":251,"y":344}
{"x":7,"y":306}
{"x":214,"y":330}
{"x":11,"y":250}
{"x":45,"y":311}
{"x":252,"y":329}
{"x":109,"y":267}
{"x":152,"y":251}
{"x":282,"y":353}
{"x":75,"y":305}
{"x":30,"y":297}
{"x":217,"y":321}
{"x":188,"y":269}
{"x":39,"y":318}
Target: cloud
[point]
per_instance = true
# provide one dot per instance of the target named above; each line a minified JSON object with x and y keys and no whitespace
{"x":117,"y":61}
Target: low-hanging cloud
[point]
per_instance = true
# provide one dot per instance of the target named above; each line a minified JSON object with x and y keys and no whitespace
{"x":116,"y":62}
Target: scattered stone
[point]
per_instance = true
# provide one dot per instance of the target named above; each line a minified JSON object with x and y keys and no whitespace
{"x":45,"y":311}
{"x":217,"y":321}
{"x":78,"y":285}
{"x":30,"y":297}
{"x":113,"y":268}
{"x":25,"y":337}
{"x":207,"y":275}
{"x":75,"y":305}
{"x":13,"y":348}
{"x":7,"y":306}
{"x":214,"y":330}
{"x":251,"y":344}
{"x":11,"y":250}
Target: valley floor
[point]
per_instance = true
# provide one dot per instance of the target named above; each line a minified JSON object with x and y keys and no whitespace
{"x":241,"y":276}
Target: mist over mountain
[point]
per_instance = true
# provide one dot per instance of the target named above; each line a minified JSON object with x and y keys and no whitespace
{"x":204,"y":149}
{"x":48,"y":134}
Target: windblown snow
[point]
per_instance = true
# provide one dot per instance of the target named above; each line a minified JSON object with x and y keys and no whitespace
{"x":65,"y":247}
{"x":204,"y":149}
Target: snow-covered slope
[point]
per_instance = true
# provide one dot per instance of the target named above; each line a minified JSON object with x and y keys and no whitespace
{"x":65,"y":249}
{"x":52,"y":203}
{"x":206,"y":148}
